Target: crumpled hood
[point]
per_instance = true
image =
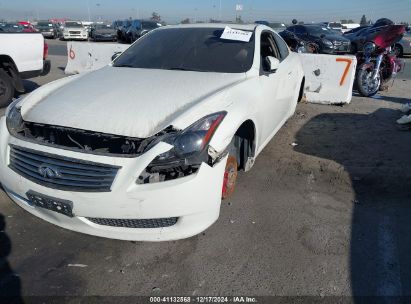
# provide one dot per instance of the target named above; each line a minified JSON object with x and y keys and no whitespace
{"x":123,"y":101}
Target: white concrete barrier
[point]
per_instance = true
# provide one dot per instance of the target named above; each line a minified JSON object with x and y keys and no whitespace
{"x":329,"y":79}
{"x":89,"y":56}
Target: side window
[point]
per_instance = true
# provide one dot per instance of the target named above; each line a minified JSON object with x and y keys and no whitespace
{"x":282,"y":47}
{"x":268,"y":48}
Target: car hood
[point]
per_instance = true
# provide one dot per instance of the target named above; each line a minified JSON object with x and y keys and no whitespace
{"x":123,"y":101}
{"x":75,"y":28}
{"x":336,"y":38}
{"x":105,"y":31}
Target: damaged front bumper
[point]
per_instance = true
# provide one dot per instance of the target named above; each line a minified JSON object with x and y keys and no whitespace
{"x":160,"y":211}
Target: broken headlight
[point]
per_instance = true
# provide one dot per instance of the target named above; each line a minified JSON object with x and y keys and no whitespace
{"x":14,"y":121}
{"x":189,"y":151}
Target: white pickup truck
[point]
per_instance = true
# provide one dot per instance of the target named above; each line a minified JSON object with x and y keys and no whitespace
{"x":22,"y":56}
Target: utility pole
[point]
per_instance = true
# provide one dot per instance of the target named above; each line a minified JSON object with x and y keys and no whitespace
{"x":88,"y":10}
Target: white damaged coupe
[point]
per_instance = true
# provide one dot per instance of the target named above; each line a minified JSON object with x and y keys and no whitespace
{"x":145,"y":148}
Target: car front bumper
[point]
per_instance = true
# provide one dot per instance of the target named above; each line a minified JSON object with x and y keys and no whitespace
{"x":105,"y":37}
{"x":195,"y":200}
{"x":75,"y":36}
{"x":48,"y":34}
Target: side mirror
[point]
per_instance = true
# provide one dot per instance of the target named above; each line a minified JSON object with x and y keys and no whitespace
{"x":116,"y":54}
{"x":273,"y":63}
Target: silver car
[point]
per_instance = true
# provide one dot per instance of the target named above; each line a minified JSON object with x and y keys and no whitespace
{"x":403,"y":47}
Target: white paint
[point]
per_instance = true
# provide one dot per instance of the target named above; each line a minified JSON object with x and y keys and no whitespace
{"x":139,"y":103}
{"x":323,"y":74}
{"x":390,"y":275}
{"x":84,"y":57}
{"x":26,"y":50}
{"x":237,"y":35}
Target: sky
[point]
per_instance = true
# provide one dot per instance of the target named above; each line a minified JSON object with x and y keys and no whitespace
{"x":173,"y":11}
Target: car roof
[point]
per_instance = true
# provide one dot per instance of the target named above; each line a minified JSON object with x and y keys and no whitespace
{"x":245,"y":27}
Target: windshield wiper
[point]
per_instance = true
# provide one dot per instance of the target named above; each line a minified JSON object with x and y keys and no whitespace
{"x":184,"y":69}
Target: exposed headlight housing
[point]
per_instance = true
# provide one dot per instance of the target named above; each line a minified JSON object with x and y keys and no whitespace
{"x":189,"y":151}
{"x":14,"y":120}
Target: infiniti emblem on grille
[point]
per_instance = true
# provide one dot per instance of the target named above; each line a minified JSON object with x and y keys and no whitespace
{"x":48,"y":171}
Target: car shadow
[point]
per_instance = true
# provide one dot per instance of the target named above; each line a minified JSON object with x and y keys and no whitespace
{"x":379,"y":165}
{"x":10,"y":285}
{"x":30,"y":86}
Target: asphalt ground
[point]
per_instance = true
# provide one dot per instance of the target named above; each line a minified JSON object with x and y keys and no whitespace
{"x":325,"y":212}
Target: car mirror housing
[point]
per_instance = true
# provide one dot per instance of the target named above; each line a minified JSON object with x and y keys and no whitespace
{"x":115,"y":56}
{"x":274,"y":63}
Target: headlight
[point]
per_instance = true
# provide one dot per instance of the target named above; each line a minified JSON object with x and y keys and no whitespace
{"x":188,"y":152}
{"x":369,"y":48}
{"x":14,"y":121}
{"x":327,"y":42}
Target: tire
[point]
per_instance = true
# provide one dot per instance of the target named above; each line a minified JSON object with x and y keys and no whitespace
{"x":398,"y":51}
{"x":312,"y":48}
{"x":230,"y":177}
{"x":365,"y":86}
{"x":231,"y":170}
{"x":6,"y":89}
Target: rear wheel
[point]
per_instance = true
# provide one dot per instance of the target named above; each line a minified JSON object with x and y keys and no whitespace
{"x":6,"y":89}
{"x":367,"y":85}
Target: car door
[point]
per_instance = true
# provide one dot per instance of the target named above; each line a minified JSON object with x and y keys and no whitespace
{"x":275,"y":98}
{"x":289,"y":81}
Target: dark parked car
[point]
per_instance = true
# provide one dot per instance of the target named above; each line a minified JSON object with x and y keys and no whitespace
{"x":103,"y":32}
{"x":48,"y":29}
{"x":327,"y":40}
{"x":13,"y":28}
{"x":139,"y":28}
{"x":122,"y":30}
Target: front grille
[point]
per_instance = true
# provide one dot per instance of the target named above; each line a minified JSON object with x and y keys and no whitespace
{"x":75,"y":32}
{"x":134,"y":223}
{"x":61,"y":172}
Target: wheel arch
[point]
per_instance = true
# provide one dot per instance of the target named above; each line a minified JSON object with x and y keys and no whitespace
{"x":8,"y":65}
{"x":245,"y":142}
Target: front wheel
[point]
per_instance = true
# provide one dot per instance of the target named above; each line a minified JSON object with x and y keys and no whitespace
{"x":6,"y":89}
{"x":367,"y":85}
{"x":230,"y":176}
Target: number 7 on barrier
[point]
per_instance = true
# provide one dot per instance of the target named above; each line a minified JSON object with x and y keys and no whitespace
{"x":347,"y":68}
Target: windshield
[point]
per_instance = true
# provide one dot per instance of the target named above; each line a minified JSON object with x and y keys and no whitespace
{"x":102,"y":26}
{"x":149,"y":25}
{"x":318,"y":30}
{"x":45,"y":24}
{"x":335,"y":25}
{"x":74,"y":24}
{"x":277,"y":25}
{"x":192,"y":49}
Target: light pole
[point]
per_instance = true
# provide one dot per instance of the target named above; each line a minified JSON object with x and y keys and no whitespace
{"x":88,"y":10}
